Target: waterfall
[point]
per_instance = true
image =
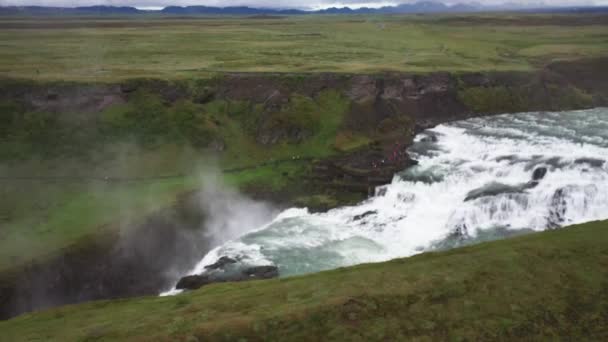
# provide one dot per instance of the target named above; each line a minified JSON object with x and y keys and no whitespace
{"x":478,"y":179}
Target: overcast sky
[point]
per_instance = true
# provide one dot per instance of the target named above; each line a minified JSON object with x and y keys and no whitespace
{"x":305,"y":4}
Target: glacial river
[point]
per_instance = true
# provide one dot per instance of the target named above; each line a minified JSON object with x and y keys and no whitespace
{"x":478,"y":179}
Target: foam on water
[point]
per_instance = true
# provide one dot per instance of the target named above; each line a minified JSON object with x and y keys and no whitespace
{"x":425,"y":205}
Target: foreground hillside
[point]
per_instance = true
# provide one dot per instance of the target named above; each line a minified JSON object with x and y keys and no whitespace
{"x":542,"y":285}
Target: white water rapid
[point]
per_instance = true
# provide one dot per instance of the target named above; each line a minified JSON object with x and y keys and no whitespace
{"x":478,"y":179}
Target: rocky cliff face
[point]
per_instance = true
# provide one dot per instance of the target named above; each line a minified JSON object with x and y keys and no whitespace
{"x":426,"y":98}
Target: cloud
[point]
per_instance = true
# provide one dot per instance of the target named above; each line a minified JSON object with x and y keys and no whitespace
{"x":302,"y":4}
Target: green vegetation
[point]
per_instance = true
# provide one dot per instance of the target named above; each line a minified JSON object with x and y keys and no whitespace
{"x":64,"y":179}
{"x":68,"y":176}
{"x":494,"y":99}
{"x":46,"y":216}
{"x":164,"y":47}
{"x":541,"y":286}
{"x":501,"y":99}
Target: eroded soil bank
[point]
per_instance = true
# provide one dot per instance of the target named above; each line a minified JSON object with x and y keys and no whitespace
{"x":388,"y":110}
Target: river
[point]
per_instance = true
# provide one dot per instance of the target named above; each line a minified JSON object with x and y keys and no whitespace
{"x":479,"y":179}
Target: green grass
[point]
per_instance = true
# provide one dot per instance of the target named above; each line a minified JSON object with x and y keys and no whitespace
{"x":80,"y":210}
{"x":120,"y":48}
{"x":501,"y":99}
{"x":541,"y":286}
{"x":156,"y":145}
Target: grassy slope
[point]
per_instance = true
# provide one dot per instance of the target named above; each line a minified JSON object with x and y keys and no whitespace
{"x":110,"y":49}
{"x":537,"y":286}
{"x":39,"y":217}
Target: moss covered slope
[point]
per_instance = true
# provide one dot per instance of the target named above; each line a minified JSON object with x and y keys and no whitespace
{"x":537,"y":286}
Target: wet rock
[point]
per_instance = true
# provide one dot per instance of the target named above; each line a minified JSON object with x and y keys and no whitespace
{"x":593,"y":162}
{"x":192,"y":282}
{"x":461,"y":231}
{"x":539,"y":173}
{"x":424,"y":176}
{"x":381,"y":191}
{"x":563,"y":198}
{"x":559,"y":206}
{"x":406,"y":197}
{"x":220,"y":263}
{"x":430,"y":138}
{"x":510,"y":158}
{"x":365,"y":214}
{"x":495,"y":189}
{"x":491,"y":189}
{"x":550,"y":163}
{"x":215,"y":274}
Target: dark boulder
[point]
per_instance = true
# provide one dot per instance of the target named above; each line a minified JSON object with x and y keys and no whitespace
{"x":381,"y":191}
{"x":539,"y":173}
{"x":220,"y":263}
{"x":192,"y":282}
{"x":492,"y":189}
{"x":510,"y":158}
{"x":430,"y":138}
{"x":495,"y":189}
{"x":365,"y":214}
{"x":593,"y":162}
{"x":559,"y":207}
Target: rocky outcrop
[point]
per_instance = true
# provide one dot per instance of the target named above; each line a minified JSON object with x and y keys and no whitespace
{"x":361,"y":171}
{"x":226,"y":270}
{"x":221,"y":263}
{"x":380,"y":97}
{"x":364,"y":215}
{"x":539,"y":173}
{"x":592,"y":162}
{"x":427,"y":99}
{"x":495,"y":189}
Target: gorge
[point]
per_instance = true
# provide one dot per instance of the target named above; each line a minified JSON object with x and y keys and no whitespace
{"x":380,"y":116}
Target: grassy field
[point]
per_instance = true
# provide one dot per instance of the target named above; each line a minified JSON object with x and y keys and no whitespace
{"x":113,"y":48}
{"x":541,"y":286}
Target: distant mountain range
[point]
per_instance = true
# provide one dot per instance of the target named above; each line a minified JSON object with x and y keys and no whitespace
{"x":418,"y":7}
